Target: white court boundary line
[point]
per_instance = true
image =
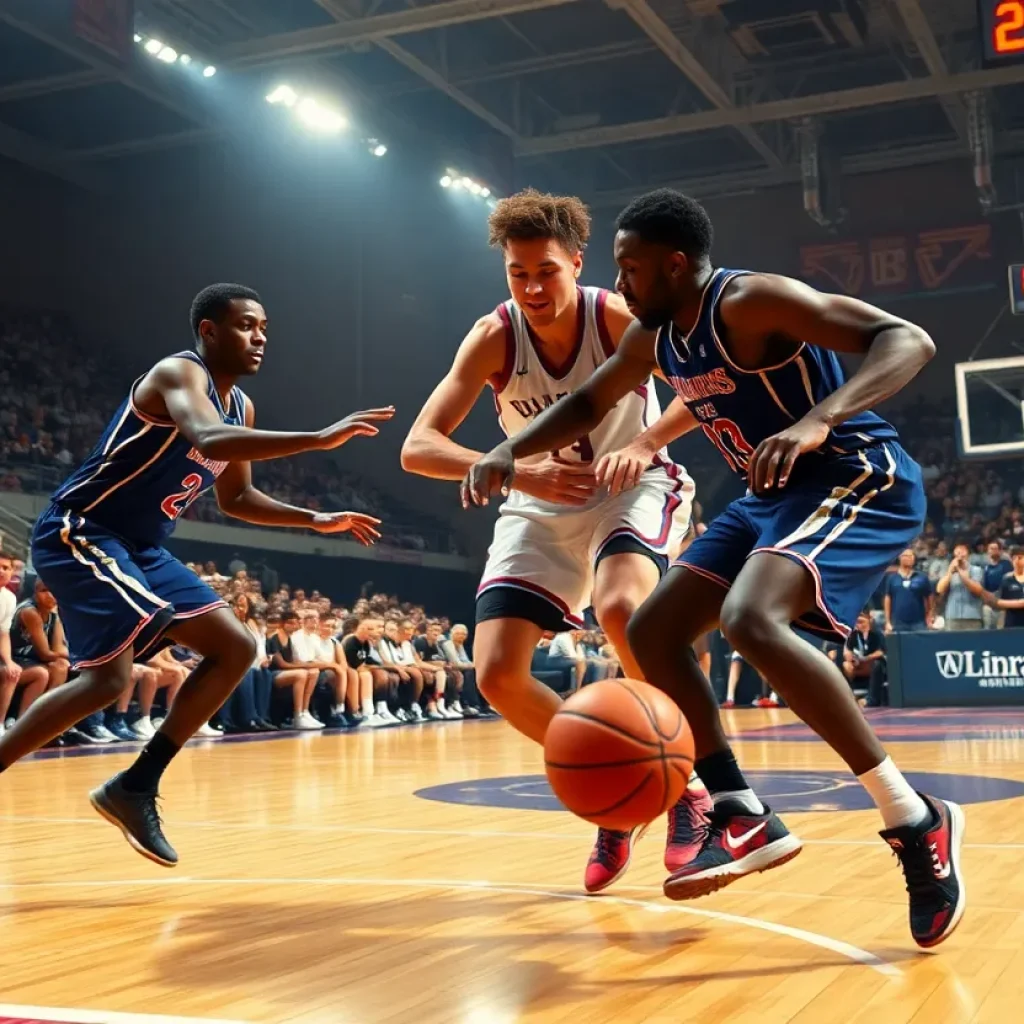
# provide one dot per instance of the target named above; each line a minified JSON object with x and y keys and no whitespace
{"x":69,"y":1016}
{"x":464,"y":833}
{"x":854,"y":953}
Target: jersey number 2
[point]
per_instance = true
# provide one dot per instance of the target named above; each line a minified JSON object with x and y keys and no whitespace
{"x":583,"y":448}
{"x":174,"y":504}
{"x":727,"y":437}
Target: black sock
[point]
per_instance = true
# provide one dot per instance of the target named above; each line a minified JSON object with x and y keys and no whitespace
{"x":721,"y":774}
{"x":144,"y":775}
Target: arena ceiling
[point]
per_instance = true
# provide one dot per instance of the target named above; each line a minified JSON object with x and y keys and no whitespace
{"x":612,"y":96}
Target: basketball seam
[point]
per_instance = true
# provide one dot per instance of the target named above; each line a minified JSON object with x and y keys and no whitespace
{"x":618,"y":764}
{"x":610,"y":727}
{"x":652,"y":718}
{"x":625,"y":800}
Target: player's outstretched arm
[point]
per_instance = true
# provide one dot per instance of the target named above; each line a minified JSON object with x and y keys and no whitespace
{"x":760,"y":307}
{"x":429,"y":449}
{"x":568,"y":419}
{"x":238,"y":498}
{"x":177,"y":388}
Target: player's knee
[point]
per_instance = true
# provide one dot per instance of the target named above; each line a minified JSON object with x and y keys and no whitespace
{"x":499,"y":678}
{"x":643,"y":629}
{"x":746,"y":626}
{"x":614,"y":613}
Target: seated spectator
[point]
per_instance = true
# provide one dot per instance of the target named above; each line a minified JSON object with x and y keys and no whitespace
{"x":34,"y":679}
{"x":392,"y":654}
{"x":285,"y":667}
{"x":306,"y":648}
{"x":454,"y":650}
{"x":564,"y":651}
{"x":908,"y":603}
{"x":961,"y":584}
{"x":434,"y":676}
{"x":428,"y":648}
{"x":356,"y":645}
{"x":864,"y":660}
{"x":386,"y":680}
{"x":343,"y":682}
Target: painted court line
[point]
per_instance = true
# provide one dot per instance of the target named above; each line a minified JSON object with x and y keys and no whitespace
{"x":845,"y":949}
{"x":465,"y":833}
{"x":52,"y":1013}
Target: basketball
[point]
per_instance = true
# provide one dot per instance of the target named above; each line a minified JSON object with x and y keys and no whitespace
{"x":618,"y":753}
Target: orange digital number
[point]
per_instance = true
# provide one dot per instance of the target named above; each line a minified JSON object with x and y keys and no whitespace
{"x":1008,"y":32}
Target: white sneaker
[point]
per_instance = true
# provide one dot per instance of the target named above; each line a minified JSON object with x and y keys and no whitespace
{"x":374,"y":721}
{"x":417,"y":714}
{"x":389,"y":716}
{"x":307,"y":721}
{"x":157,"y":722}
{"x":143,"y":728}
{"x":402,"y":717}
{"x":107,"y":734}
{"x":434,"y":715}
{"x":207,"y":732}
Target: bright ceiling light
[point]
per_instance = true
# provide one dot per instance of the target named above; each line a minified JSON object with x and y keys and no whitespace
{"x":320,"y":118}
{"x":168,"y":55}
{"x":475,"y":188}
{"x":154,"y":46}
{"x":185,"y":59}
{"x":379,"y":149}
{"x":283,"y":94}
{"x":209,"y":71}
{"x":485,"y":192}
{"x":446,"y":181}
{"x":138,"y":38}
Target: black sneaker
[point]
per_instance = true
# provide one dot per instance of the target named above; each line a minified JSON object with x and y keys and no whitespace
{"x":338,"y":721}
{"x":734,"y":845}
{"x":930,"y":857}
{"x":136,"y":815}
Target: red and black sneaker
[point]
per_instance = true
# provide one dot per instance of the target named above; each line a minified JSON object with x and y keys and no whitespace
{"x":734,"y":845}
{"x":687,"y":823}
{"x":610,"y":857}
{"x":930,"y":857}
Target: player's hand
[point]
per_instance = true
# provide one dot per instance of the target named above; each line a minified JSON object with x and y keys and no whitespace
{"x":358,"y":424}
{"x":493,"y":473}
{"x":556,"y":480}
{"x":622,"y":470}
{"x":362,"y":527}
{"x":10,"y":673}
{"x":773,"y":461}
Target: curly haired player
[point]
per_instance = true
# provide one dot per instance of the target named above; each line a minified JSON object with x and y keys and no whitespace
{"x":593,"y":522}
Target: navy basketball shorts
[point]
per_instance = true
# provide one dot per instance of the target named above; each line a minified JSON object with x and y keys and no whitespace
{"x":845,"y":519}
{"x":112,"y":594}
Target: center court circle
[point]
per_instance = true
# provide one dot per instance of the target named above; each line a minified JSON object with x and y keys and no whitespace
{"x":782,"y":790}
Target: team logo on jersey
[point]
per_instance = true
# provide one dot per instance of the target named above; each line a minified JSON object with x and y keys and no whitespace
{"x":529,"y":407}
{"x":704,"y":385}
{"x":216,"y":468}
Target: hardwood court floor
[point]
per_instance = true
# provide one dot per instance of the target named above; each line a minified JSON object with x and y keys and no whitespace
{"x":315,"y":886}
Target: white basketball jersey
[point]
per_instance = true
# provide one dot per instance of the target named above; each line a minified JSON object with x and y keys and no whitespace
{"x":532,"y":384}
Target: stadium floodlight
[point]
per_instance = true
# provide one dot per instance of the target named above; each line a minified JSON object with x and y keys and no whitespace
{"x":379,"y":149}
{"x":466,"y":182}
{"x":283,"y":94}
{"x":153,"y":46}
{"x":137,"y":38}
{"x":185,"y":59}
{"x":485,"y":192}
{"x":320,"y":118}
{"x":446,"y":181}
{"x":209,"y":71}
{"x":475,"y":188}
{"x":168,"y":55}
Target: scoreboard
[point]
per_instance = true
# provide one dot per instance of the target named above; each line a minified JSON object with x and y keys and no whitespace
{"x":1002,"y":31}
{"x":1017,"y":289}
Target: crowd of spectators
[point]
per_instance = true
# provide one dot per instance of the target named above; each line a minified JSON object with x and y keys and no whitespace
{"x":377,"y":663}
{"x":56,"y":396}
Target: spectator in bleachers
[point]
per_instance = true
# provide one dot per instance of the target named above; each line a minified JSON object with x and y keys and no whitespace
{"x":339,"y":677}
{"x":286,"y":669}
{"x":1009,"y":598}
{"x":864,"y":660}
{"x":454,"y":650}
{"x":448,"y":681}
{"x":393,"y":655}
{"x":357,"y":647}
{"x":961,"y":585}
{"x":564,"y":651}
{"x":306,"y":648}
{"x":434,"y":676}
{"x":994,"y":568}
{"x":908,"y":603}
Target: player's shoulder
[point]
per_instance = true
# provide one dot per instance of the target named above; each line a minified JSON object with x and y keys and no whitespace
{"x":179,"y":368}
{"x":487,"y":353}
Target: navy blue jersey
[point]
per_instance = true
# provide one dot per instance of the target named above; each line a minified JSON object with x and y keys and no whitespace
{"x":143,"y":473}
{"x":737,"y":409}
{"x":22,"y":647}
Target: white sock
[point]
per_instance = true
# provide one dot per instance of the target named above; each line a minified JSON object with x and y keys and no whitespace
{"x":743,"y":798}
{"x":895,"y":798}
{"x":382,"y":706}
{"x":339,"y":709}
{"x":695,"y":785}
{"x":367,"y":709}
